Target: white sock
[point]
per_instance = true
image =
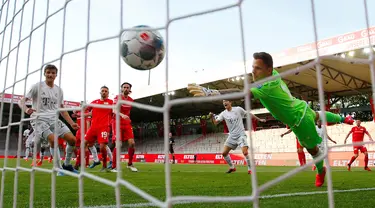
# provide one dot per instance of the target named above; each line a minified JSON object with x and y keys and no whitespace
{"x":69,"y":153}
{"x":109,"y":153}
{"x":56,"y":159}
{"x":94,"y":153}
{"x":41,"y":155}
{"x":247,"y":157}
{"x":27,"y":152}
{"x":229,"y":161}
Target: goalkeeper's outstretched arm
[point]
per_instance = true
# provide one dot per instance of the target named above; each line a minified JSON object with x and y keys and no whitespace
{"x":199,"y":91}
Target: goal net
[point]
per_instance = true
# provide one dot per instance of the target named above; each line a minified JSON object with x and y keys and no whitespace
{"x":81,"y":38}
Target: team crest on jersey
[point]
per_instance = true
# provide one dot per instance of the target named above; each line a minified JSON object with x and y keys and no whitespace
{"x":259,"y":86}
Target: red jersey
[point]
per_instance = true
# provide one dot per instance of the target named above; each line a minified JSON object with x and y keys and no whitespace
{"x":358,"y":133}
{"x":101,"y":117}
{"x":87,"y":118}
{"x":125,"y":109}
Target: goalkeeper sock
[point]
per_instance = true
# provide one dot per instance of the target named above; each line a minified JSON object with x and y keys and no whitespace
{"x":319,"y":165}
{"x":333,"y":118}
{"x":69,"y":153}
{"x":229,"y":161}
{"x":109,"y":153}
{"x":94,"y":153}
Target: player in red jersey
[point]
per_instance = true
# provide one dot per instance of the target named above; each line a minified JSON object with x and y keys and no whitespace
{"x":126,"y":129}
{"x":100,"y":123}
{"x":77,"y":150}
{"x":300,"y":152}
{"x":358,"y":135}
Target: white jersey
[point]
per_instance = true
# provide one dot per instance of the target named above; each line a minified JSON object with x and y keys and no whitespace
{"x":320,"y":132}
{"x":233,"y":119}
{"x":51,"y":99}
{"x":26,"y":133}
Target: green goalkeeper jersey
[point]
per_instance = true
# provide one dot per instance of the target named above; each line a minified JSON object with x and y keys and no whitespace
{"x":276,"y":97}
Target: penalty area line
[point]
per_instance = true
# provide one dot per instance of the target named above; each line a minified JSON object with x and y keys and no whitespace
{"x":261,"y":197}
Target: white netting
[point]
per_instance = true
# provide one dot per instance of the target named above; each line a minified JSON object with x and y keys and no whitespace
{"x":12,"y":17}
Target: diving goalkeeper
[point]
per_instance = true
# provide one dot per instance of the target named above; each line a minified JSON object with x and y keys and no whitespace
{"x":276,"y":97}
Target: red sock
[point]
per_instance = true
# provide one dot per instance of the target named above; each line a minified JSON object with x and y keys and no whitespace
{"x":131,"y":151}
{"x":64,"y":148}
{"x":301,"y":158}
{"x":304,"y":158}
{"x":76,"y":151}
{"x":78,"y":155}
{"x":114,"y":160}
{"x":38,"y":155}
{"x":366,"y":160}
{"x":104,"y":156}
{"x":351,"y":160}
{"x":87,"y":157}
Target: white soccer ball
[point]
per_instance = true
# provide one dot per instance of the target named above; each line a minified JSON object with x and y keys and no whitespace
{"x":142,"y":50}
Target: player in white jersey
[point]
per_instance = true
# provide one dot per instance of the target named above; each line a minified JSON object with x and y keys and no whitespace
{"x":50,"y":100}
{"x":319,"y":129}
{"x":26,"y":133}
{"x":237,"y":137}
{"x":29,"y":143}
{"x":42,"y":145}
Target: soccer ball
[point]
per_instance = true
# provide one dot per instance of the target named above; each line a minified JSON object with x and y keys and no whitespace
{"x":143,"y":49}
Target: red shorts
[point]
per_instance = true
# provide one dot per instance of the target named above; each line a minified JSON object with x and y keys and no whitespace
{"x":100,"y":134}
{"x":360,"y":148}
{"x":126,"y":132}
{"x":298,"y":144}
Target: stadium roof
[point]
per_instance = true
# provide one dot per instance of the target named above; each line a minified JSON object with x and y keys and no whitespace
{"x":340,"y":77}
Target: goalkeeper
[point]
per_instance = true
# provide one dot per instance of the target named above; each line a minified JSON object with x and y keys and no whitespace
{"x":276,"y":97}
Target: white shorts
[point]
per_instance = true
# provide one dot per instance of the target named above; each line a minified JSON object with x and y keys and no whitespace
{"x":44,"y":144}
{"x":45,"y":127}
{"x":234,"y":142}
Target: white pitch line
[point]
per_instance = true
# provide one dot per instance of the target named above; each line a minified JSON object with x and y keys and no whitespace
{"x":261,"y":197}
